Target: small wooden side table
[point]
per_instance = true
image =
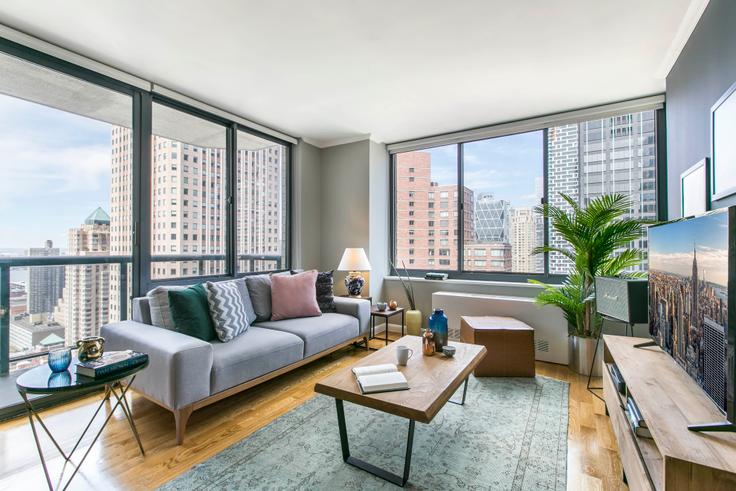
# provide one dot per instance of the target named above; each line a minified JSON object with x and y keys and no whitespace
{"x":385,"y":314}
{"x":370,"y":299}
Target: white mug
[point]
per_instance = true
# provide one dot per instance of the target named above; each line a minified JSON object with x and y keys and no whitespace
{"x":403,"y":354}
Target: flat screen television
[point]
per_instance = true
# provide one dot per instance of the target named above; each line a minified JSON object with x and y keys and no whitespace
{"x":691,"y":292}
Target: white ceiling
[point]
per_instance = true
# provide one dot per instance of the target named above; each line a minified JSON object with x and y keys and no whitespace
{"x":335,"y":70}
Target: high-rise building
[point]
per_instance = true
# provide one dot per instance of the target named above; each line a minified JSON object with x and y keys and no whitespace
{"x":427,"y":216}
{"x":189,"y":191}
{"x":599,"y":157}
{"x":84,"y":305}
{"x":492,"y":219}
{"x":525,"y":225}
{"x":45,"y":283}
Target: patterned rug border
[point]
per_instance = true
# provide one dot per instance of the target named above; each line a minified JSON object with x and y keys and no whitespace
{"x":319,"y":401}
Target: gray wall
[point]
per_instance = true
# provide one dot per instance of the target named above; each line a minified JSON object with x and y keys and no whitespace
{"x":307,"y":202}
{"x":705,"y":69}
{"x":344,"y":203}
{"x":341,"y":196}
{"x":378,"y":217}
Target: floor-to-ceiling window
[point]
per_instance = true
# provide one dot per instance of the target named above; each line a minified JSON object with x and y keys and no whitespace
{"x":65,"y":197}
{"x":496,"y":183}
{"x":107,"y":190}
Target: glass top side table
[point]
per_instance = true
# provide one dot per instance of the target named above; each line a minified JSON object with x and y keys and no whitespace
{"x":41,"y":380}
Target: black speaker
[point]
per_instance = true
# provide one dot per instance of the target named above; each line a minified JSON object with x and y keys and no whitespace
{"x":623,"y":299}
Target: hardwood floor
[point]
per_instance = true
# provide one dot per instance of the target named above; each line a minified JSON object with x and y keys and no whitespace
{"x":115,"y":462}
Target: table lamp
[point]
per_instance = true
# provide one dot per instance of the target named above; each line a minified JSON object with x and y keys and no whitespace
{"x":354,"y":261}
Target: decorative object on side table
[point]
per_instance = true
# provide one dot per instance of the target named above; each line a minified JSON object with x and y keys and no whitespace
{"x":438,"y":326}
{"x":354,"y":260}
{"x":427,"y":343}
{"x":600,"y":237}
{"x":381,"y":306}
{"x":393,"y":304}
{"x":448,"y":351}
{"x":413,"y":316}
{"x":60,"y":359}
{"x":90,"y":348}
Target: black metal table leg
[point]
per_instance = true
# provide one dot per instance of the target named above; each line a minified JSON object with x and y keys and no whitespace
{"x":376,"y":471}
{"x":465,"y":391}
{"x":386,"y":331}
{"x":402,"y":323}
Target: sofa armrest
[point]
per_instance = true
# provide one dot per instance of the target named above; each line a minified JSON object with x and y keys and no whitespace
{"x":358,"y":308}
{"x":179,"y":368}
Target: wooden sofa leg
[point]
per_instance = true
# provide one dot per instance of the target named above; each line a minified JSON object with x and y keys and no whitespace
{"x":181,"y":417}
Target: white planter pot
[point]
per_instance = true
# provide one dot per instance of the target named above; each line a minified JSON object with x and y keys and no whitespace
{"x":581,"y":356}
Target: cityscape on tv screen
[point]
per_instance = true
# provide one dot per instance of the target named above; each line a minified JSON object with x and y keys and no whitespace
{"x":688,"y":298}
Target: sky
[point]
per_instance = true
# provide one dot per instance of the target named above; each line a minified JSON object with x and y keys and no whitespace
{"x":56,"y":171}
{"x":671,"y":247}
{"x":508,"y":166}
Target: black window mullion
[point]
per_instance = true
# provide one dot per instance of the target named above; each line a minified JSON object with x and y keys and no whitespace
{"x":460,"y":209}
{"x":545,"y":198}
{"x":231,"y":171}
{"x":142,"y":140}
{"x":392,"y":210}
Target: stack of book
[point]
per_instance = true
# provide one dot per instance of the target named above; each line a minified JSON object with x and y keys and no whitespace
{"x":636,"y":420}
{"x":111,"y":362}
{"x":380,"y":378}
{"x":618,"y":379}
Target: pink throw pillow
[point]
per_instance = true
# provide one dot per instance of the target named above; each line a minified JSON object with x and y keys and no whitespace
{"x":294,"y":296}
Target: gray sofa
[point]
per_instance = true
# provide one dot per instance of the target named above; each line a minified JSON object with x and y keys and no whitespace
{"x":186,"y":373}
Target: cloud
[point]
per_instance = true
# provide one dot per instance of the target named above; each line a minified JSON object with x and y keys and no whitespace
{"x":712,"y":263}
{"x":33,"y":166}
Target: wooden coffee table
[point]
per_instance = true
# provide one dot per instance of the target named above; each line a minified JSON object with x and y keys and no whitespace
{"x":432,"y":381}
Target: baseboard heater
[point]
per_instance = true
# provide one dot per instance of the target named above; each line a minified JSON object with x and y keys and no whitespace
{"x":550,"y":327}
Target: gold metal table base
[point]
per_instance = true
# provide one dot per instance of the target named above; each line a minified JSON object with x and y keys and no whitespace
{"x":112,"y":389}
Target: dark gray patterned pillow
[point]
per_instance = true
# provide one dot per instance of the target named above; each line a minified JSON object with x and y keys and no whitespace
{"x":325,"y":295}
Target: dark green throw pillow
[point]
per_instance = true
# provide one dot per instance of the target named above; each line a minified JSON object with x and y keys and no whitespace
{"x":191,"y":312}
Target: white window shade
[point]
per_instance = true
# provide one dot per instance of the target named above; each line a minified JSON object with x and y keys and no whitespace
{"x":532,"y":124}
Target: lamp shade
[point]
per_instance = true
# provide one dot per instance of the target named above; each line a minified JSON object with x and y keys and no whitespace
{"x":354,"y":259}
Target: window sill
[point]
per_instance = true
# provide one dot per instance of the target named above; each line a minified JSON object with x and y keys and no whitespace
{"x":511,"y":284}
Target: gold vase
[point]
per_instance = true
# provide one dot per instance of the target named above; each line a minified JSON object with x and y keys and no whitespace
{"x":413,"y":322}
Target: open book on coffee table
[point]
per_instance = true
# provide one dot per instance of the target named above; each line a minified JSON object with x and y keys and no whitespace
{"x":380,"y":378}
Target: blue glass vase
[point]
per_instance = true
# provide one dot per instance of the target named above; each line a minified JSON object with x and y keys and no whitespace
{"x":438,"y":326}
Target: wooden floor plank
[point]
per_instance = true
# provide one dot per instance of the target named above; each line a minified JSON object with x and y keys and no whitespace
{"x":115,"y":463}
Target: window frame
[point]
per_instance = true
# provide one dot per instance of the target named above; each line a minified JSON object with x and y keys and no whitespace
{"x":141,"y":171}
{"x":460,"y":273}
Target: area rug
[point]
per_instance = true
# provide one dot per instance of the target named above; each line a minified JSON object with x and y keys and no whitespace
{"x":511,"y":434}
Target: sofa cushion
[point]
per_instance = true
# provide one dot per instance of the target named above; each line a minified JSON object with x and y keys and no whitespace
{"x":250,"y":313}
{"x":158,"y":304}
{"x":318,"y":333}
{"x":252,"y":354}
{"x":226,"y":309}
{"x":191,"y":312}
{"x":259,"y":288}
{"x":294,"y":296}
{"x":325,"y":292}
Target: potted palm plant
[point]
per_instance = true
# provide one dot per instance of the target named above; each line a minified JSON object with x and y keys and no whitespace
{"x":413,"y":316}
{"x":598,"y":239}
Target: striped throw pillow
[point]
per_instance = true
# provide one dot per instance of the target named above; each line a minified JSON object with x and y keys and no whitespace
{"x":226,"y":309}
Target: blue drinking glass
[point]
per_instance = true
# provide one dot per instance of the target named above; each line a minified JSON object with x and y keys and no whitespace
{"x":60,"y":359}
